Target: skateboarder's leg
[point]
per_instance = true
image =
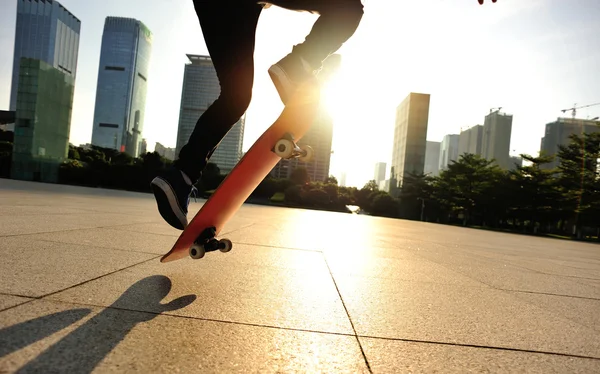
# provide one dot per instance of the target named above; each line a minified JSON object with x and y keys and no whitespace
{"x":337,"y":22}
{"x":229,"y":33}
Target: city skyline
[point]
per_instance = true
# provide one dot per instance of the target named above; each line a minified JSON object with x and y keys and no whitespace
{"x":546,"y":65}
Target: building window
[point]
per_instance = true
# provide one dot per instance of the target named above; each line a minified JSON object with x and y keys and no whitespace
{"x":111,"y":125}
{"x":117,"y":68}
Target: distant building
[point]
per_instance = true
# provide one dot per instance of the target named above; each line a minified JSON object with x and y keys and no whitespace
{"x":515,"y":162}
{"x":432,"y":158}
{"x":45,"y":31}
{"x":122,"y":85}
{"x":229,"y":151}
{"x":384,"y":185}
{"x":200,"y":89}
{"x":319,"y":137}
{"x":557,"y":133}
{"x":7,"y":118}
{"x":342,"y":182}
{"x":43,"y":121}
{"x":380,"y":169}
{"x":168,"y":153}
{"x":448,"y":151}
{"x":143,"y":147}
{"x":496,"y":138}
{"x":410,"y":133}
{"x":471,"y":141}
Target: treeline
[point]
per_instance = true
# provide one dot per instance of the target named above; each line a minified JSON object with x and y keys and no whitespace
{"x":472,"y":191}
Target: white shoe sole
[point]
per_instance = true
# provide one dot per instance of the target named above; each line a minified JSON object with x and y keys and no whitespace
{"x":172,"y":199}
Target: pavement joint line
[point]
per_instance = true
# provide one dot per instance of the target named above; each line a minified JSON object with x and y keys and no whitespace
{"x":98,"y":277}
{"x":480,"y":347}
{"x":362,"y":351}
{"x":75,"y":229}
{"x":551,"y":294}
{"x":503,"y":289}
{"x":97,"y":246}
{"x":170,"y":315}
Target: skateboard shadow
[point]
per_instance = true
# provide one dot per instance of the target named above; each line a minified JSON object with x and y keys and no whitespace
{"x":82,"y":349}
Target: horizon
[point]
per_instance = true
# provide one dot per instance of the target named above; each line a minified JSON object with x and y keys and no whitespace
{"x":532,"y":58}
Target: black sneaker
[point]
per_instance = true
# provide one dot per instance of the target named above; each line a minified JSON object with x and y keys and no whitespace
{"x":288,"y":74}
{"x":172,"y":190}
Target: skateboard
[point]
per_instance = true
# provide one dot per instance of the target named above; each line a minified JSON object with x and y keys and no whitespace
{"x":277,"y":142}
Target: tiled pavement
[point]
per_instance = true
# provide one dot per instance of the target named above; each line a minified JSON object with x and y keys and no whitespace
{"x":82,"y":289}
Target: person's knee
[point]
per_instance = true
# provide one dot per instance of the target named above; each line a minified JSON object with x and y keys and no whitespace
{"x":236,"y":100}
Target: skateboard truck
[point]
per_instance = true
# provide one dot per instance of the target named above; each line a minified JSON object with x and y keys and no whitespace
{"x":287,"y":148}
{"x":206,"y":242}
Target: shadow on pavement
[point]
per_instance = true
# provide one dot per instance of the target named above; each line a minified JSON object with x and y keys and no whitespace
{"x":82,"y":349}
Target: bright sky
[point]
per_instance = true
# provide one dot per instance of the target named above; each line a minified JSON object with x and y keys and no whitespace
{"x":531,"y":57}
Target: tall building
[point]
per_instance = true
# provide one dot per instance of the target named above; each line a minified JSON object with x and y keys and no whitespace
{"x":410,"y":137}
{"x":515,"y":162}
{"x":46,"y":31}
{"x":448,"y":151}
{"x":380,"y":169}
{"x":432,"y":158}
{"x":470,"y":141}
{"x":557,"y":133}
{"x":166,"y":152}
{"x":43,"y":121}
{"x":496,"y":138}
{"x":343,"y":177}
{"x":319,"y":137}
{"x":200,"y":89}
{"x":229,"y":151}
{"x":122,"y":85}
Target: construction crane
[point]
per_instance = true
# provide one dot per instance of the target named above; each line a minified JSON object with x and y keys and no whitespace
{"x":497,"y":109}
{"x":575,"y":107}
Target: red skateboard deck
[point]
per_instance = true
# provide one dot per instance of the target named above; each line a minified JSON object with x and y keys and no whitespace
{"x":295,"y":119}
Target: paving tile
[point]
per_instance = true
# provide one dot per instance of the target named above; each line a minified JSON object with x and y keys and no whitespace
{"x":36,"y":268}
{"x":393,"y":356}
{"x":125,"y":341}
{"x":7,"y":301}
{"x":254,"y":285}
{"x":113,"y":239}
{"x":403,"y":266}
{"x":462,"y":315}
{"x":504,"y":275}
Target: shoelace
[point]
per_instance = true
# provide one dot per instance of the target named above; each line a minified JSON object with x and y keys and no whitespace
{"x":194,"y":193}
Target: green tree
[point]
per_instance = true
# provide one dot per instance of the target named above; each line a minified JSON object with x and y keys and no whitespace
{"x":415,"y":194}
{"x":300,"y":176}
{"x":579,"y":180}
{"x":535,"y":191}
{"x":464,"y":185}
{"x":331,"y":180}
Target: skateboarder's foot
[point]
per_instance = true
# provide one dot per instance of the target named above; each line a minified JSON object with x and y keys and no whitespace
{"x":288,"y":74}
{"x":172,"y":190}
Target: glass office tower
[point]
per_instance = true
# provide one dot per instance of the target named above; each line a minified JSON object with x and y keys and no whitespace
{"x":122,"y":85}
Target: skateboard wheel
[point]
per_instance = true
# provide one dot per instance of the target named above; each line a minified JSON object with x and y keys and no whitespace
{"x":196,"y":251}
{"x":284,"y":148}
{"x":309,"y":153}
{"x":225,"y":245}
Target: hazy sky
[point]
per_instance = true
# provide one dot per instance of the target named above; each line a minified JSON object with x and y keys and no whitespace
{"x":531,"y":57}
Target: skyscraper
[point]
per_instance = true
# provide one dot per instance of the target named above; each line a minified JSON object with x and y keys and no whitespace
{"x":410,"y":136}
{"x":380,"y":169}
{"x":319,"y":137}
{"x":496,"y":138}
{"x":122,"y":85}
{"x":432,"y":158}
{"x":43,"y":121}
{"x":557,"y":133}
{"x":448,"y":151}
{"x":470,"y":141}
{"x":200,"y":89}
{"x":45,"y":31}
